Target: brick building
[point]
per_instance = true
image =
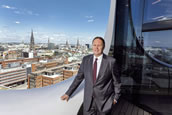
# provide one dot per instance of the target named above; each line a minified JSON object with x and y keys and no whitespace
{"x":12,"y":75}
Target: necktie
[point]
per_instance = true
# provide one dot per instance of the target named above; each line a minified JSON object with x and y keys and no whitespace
{"x":95,"y":70}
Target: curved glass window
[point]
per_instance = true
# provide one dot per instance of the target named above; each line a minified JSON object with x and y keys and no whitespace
{"x":157,"y":10}
{"x":144,"y":53}
{"x":136,"y":12}
{"x":158,"y":45}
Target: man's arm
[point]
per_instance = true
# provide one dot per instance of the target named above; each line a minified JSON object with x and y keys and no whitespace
{"x":116,"y":81}
{"x":78,"y":79}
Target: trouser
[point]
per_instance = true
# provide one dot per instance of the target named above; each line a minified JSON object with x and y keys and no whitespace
{"x":94,"y":110}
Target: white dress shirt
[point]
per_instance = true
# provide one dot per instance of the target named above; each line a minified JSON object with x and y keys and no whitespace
{"x":99,"y":61}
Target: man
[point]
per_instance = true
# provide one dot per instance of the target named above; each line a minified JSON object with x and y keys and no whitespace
{"x":102,"y":82}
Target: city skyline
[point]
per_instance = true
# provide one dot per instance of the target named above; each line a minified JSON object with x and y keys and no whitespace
{"x":58,"y":20}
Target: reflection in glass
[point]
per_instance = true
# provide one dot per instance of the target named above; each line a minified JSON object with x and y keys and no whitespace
{"x":144,"y":57}
{"x":137,"y":12}
{"x":157,"y":10}
{"x":158,"y":45}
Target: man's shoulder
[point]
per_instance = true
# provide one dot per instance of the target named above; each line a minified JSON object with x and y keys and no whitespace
{"x":88,"y":56}
{"x":109,"y":58}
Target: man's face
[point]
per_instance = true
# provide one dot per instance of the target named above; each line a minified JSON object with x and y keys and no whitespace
{"x":97,"y":47}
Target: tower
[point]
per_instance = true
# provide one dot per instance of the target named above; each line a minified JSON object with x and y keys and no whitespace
{"x":77,"y":44}
{"x":67,"y":43}
{"x":32,"y":44}
{"x":48,"y":40}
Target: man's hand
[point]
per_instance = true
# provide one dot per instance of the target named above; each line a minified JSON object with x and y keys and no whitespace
{"x":65,"y":97}
{"x":114,"y":102}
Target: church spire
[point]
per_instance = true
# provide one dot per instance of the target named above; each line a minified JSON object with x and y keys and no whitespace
{"x":32,"y":48}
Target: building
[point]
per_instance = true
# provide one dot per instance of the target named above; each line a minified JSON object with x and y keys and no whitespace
{"x":88,"y":46}
{"x":32,"y":43}
{"x":50,"y":77}
{"x":25,"y":54}
{"x":44,"y":53}
{"x":13,"y":54}
{"x":45,"y":65}
{"x":5,"y":63}
{"x":69,"y":73}
{"x":50,"y":45}
{"x":50,"y":73}
{"x":12,"y":76}
{"x":67,"y":44}
{"x":77,"y":44}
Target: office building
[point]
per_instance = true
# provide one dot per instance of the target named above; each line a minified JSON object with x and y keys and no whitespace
{"x":44,"y":74}
{"x":12,"y":75}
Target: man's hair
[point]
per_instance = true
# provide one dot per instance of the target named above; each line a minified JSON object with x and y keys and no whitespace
{"x":100,"y":38}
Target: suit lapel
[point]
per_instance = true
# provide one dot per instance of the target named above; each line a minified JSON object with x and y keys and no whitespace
{"x":103,"y":67}
{"x":90,"y":67}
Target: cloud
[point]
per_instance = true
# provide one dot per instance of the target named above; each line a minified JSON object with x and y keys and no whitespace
{"x":157,"y":1}
{"x":82,"y":39}
{"x":26,"y":12}
{"x":89,"y":17}
{"x":36,"y":14}
{"x":59,"y":35}
{"x":20,"y":11}
{"x":159,"y":17}
{"x":17,"y":22}
{"x":8,"y":7}
{"x":17,"y":12}
{"x":91,"y":20}
{"x":29,"y":12}
{"x":60,"y":38}
{"x":157,"y":41}
{"x":10,"y":35}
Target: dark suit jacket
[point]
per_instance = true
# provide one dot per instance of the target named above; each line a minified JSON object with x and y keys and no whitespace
{"x":107,"y":85}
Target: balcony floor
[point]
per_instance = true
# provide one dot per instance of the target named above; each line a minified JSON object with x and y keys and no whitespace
{"x":123,"y":107}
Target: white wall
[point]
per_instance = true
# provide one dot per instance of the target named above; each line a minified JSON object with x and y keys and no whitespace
{"x":41,"y":101}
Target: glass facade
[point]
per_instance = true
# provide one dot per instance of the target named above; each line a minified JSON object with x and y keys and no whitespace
{"x":145,"y":57}
{"x":157,"y":10}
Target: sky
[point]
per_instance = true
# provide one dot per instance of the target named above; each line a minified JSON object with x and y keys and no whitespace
{"x":155,"y":10}
{"x":158,"y":10}
{"x":58,"y":20}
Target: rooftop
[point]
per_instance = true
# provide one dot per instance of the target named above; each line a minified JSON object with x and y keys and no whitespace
{"x":53,"y":76}
{"x":10,"y":69}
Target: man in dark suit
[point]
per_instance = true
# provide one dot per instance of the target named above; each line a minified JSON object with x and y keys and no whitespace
{"x":102,"y":81}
